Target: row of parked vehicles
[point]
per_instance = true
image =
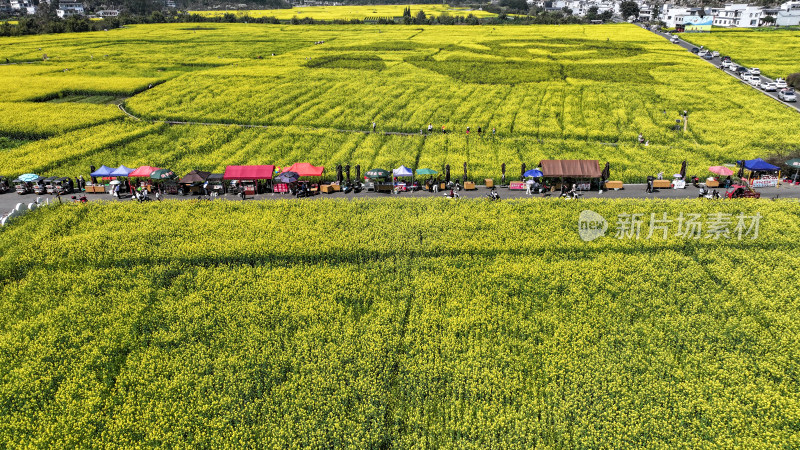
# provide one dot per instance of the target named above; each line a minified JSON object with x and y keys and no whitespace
{"x":751,"y":76}
{"x":41,"y":186}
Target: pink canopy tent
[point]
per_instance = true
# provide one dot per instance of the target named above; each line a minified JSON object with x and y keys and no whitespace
{"x":143,"y":172}
{"x":305,"y":170}
{"x":248,"y":172}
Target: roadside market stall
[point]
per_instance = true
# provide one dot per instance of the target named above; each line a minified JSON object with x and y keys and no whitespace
{"x":165,"y":181}
{"x":430,"y":172}
{"x":403,"y":172}
{"x":382,"y":180}
{"x":762,"y":173}
{"x":305,"y":170}
{"x":578,"y":171}
{"x":249,"y":177}
{"x":192,"y":182}
{"x":216,"y":183}
{"x":99,"y":188}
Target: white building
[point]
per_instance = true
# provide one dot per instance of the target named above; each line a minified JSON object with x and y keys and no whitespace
{"x":67,"y":9}
{"x":788,"y":15}
{"x":740,"y":15}
{"x":104,"y":13}
{"x":23,"y":6}
{"x":673,"y":16}
{"x":5,"y":7}
{"x":647,"y":12}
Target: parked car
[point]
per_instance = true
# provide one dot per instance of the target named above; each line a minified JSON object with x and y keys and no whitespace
{"x":780,"y":83}
{"x":674,"y":40}
{"x":754,"y":81}
{"x":740,"y":70}
{"x":769,"y":86}
{"x":708,"y":56}
{"x":695,"y":50}
{"x":745,"y":76}
{"x":755,"y":71}
{"x":715,"y":54}
{"x":702,"y":53}
{"x":787,"y":95}
{"x":727,"y":64}
{"x":741,"y":191}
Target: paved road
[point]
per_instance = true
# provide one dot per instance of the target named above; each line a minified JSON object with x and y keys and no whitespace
{"x":10,"y":200}
{"x":716,"y":62}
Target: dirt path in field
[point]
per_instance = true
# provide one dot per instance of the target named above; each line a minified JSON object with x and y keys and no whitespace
{"x":245,"y":125}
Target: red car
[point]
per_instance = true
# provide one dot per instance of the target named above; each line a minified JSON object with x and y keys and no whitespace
{"x":741,"y":191}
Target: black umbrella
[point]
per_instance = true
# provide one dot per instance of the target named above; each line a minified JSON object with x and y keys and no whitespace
{"x":347,"y":171}
{"x":358,"y":173}
{"x":465,"y":172}
{"x":339,"y":177}
{"x":92,"y":170}
{"x":288,"y":177}
{"x":447,"y":173}
{"x":683,"y":169}
{"x":606,"y":172}
{"x":503,"y":179}
{"x":522,"y":173}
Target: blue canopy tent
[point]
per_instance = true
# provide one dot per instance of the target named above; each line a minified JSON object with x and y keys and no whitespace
{"x":103,"y":171}
{"x":757,"y":164}
{"x":121,"y":171}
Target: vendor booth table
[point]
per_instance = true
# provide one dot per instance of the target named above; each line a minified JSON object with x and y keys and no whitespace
{"x":249,"y":176}
{"x":581,"y":171}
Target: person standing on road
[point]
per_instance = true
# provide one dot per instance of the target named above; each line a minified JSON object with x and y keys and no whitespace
{"x":430,"y":128}
{"x":373,"y":126}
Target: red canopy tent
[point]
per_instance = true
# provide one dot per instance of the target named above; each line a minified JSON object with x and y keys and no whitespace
{"x":248,"y":172}
{"x":305,"y":170}
{"x":143,"y":172}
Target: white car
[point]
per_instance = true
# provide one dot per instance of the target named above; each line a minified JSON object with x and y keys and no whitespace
{"x":702,"y":53}
{"x":769,"y":86}
{"x":755,"y":71}
{"x":755,"y":81}
{"x":674,"y":40}
{"x":715,"y":54}
{"x":726,"y":64}
{"x":780,"y":83}
{"x":787,"y":95}
{"x":745,"y":76}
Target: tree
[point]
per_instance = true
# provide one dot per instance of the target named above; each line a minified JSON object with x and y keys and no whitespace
{"x":591,"y":13}
{"x":520,"y":6}
{"x":629,"y":9}
{"x":566,"y":11}
{"x":769,"y":20}
{"x":420,"y":18}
